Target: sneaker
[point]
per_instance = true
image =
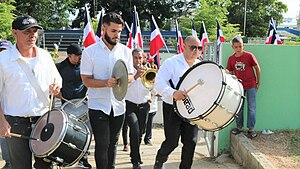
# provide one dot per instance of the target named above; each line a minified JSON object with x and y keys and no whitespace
{"x":236,"y":131}
{"x":158,"y":165}
{"x":126,"y":148}
{"x":84,"y":164}
{"x":251,"y":134}
{"x":136,"y":166}
{"x":6,"y":166}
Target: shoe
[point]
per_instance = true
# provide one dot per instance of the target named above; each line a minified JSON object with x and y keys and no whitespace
{"x":84,"y":164}
{"x":236,"y":131}
{"x":148,"y":143}
{"x":251,"y":134}
{"x":158,"y":165}
{"x":126,"y":148}
{"x":136,"y":166}
{"x":6,"y":166}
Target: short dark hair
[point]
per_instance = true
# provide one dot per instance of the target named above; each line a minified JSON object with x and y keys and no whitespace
{"x":137,"y":50}
{"x":236,"y":39}
{"x":113,"y":17}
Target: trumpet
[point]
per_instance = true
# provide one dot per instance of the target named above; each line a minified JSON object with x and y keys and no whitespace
{"x":148,"y":78}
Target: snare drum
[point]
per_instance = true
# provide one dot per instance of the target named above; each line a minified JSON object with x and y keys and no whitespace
{"x":76,"y":107}
{"x":214,"y":96}
{"x":63,"y":140}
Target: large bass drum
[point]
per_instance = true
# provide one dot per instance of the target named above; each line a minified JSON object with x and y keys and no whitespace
{"x":214,"y":96}
{"x":63,"y":139}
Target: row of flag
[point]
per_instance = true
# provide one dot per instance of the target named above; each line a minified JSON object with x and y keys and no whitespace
{"x":135,"y":38}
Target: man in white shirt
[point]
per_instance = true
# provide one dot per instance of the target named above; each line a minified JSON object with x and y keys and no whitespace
{"x":174,"y":126}
{"x":137,"y":99}
{"x":21,"y":104}
{"x":105,"y":111}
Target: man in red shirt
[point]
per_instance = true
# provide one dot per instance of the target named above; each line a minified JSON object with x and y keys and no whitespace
{"x":245,"y":66}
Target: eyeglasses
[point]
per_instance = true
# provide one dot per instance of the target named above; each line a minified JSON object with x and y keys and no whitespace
{"x":195,"y":47}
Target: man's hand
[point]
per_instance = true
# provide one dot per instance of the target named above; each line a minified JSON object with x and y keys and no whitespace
{"x":179,"y":95}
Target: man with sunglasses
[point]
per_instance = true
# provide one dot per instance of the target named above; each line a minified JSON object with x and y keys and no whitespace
{"x":174,"y":126}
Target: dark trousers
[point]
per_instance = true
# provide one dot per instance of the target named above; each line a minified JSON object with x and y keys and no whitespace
{"x":136,"y":118}
{"x":175,"y":127}
{"x":125,"y":132}
{"x":106,"y":130}
{"x":148,"y":134}
{"x":19,"y":151}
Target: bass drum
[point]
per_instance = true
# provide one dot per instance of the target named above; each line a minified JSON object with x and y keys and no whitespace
{"x":214,"y":96}
{"x":63,"y":139}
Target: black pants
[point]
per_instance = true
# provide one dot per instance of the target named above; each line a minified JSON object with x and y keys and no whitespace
{"x":136,"y":116}
{"x":125,"y":132}
{"x":19,"y":151}
{"x":174,"y":127}
{"x":106,"y":130}
{"x":148,"y":134}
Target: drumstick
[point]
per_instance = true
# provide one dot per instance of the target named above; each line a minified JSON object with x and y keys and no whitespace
{"x":76,"y":105}
{"x":68,"y":101}
{"x":51,"y":102}
{"x":199,"y":82}
{"x":24,"y":137}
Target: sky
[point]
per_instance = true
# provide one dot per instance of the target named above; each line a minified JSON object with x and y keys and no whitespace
{"x":293,"y":8}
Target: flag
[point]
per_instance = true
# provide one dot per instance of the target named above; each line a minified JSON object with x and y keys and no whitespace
{"x":179,"y":39}
{"x":203,"y":36}
{"x":136,"y":31}
{"x":273,"y":37}
{"x":194,"y":32}
{"x":99,"y":32}
{"x":129,"y":36}
{"x":89,"y":37}
{"x":220,"y":37}
{"x":156,"y":42}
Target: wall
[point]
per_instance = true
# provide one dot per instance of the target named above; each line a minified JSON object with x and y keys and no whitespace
{"x":278,"y":97}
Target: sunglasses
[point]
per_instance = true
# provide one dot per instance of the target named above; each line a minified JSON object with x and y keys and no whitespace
{"x":195,"y":47}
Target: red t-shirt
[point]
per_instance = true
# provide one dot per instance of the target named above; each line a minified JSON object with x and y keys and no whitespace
{"x":242,"y":67}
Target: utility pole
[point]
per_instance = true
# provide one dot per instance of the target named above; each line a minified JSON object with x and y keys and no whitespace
{"x":245,"y":17}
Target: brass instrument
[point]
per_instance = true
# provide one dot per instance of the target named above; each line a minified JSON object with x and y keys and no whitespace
{"x":148,"y":78}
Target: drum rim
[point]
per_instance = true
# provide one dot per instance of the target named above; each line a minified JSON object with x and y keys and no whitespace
{"x":66,"y":103}
{"x":58,"y":141}
{"x":180,"y":82}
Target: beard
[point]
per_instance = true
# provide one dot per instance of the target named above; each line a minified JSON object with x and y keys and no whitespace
{"x":109,"y":40}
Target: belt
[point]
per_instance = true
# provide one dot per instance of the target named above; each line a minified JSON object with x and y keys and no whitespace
{"x":31,"y":119}
{"x":137,"y":105}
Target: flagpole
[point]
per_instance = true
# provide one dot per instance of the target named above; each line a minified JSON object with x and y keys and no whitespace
{"x":245,"y":17}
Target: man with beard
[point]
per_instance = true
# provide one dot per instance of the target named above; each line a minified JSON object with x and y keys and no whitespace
{"x":105,"y":111}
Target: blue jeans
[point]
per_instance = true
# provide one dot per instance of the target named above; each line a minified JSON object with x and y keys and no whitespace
{"x":4,"y":150}
{"x":251,"y":100}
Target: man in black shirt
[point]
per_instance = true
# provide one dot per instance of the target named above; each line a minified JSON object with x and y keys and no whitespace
{"x":72,"y":86}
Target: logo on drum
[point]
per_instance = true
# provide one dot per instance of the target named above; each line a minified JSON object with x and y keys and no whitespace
{"x":188,"y":104}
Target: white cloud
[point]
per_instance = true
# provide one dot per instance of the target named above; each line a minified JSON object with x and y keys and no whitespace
{"x":293,"y":8}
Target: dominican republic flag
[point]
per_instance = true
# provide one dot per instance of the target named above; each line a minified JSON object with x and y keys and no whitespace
{"x":89,"y":37}
{"x":203,"y":36}
{"x":129,"y":36}
{"x":194,"y":32}
{"x":136,"y":31}
{"x":273,"y":37}
{"x":156,"y":42}
{"x":179,"y":39}
{"x":220,"y":37}
{"x":99,"y":32}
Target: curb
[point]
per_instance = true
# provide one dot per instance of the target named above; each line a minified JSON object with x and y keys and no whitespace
{"x":247,"y":154}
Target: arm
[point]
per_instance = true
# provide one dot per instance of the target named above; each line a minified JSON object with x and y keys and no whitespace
{"x":89,"y":81}
{"x":257,"y":72}
{"x":4,"y":125}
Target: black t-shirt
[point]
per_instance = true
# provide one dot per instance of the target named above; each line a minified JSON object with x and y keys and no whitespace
{"x":72,"y":86}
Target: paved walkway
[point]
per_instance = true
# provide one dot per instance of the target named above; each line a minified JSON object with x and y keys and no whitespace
{"x":201,"y":159}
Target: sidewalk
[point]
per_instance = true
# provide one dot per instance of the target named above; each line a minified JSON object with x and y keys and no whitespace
{"x":201,"y":159}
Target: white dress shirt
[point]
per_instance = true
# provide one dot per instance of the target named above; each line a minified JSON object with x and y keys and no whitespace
{"x":172,"y":68}
{"x":18,"y":97}
{"x":98,"y":60}
{"x":137,"y":93}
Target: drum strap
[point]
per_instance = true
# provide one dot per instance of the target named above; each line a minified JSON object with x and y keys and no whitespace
{"x":33,"y":81}
{"x":171,"y":84}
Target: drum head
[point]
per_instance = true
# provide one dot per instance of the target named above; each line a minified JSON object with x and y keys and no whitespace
{"x":44,"y":147}
{"x":77,"y":107}
{"x":201,"y":97}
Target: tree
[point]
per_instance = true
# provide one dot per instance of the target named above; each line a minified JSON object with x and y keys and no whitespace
{"x":259,"y":12}
{"x":161,"y":10}
{"x":6,"y":19}
{"x":208,"y":11}
{"x":50,"y":14}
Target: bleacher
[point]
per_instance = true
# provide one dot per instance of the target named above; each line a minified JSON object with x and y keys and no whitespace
{"x":63,"y":38}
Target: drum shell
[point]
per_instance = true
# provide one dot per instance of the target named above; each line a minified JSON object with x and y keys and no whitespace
{"x":64,"y":148}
